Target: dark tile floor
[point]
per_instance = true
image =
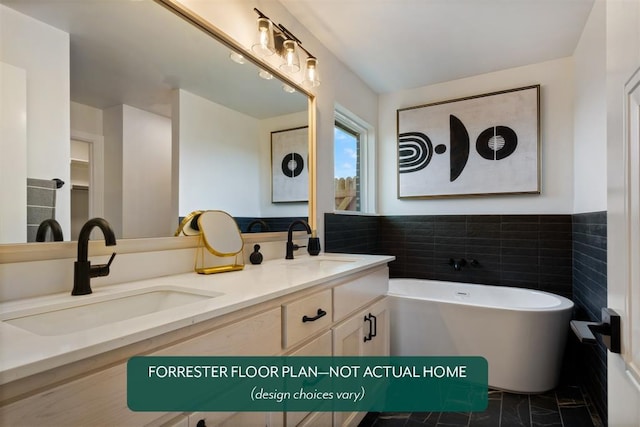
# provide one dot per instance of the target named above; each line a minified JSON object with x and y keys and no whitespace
{"x":567,"y":406}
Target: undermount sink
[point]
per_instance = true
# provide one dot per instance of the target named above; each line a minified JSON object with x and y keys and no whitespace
{"x":62,"y":319}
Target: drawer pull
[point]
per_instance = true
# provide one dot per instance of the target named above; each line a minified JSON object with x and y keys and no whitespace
{"x":321,"y":313}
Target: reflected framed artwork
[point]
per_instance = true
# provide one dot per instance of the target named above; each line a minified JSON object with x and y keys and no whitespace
{"x":289,"y":168}
{"x":480,"y":145}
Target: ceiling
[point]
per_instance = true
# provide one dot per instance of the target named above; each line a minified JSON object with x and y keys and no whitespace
{"x":402,"y":44}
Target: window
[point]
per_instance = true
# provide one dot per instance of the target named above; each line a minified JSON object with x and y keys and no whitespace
{"x":351,"y":139}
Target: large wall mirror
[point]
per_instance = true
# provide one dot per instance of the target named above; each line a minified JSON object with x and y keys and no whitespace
{"x":143,"y":115}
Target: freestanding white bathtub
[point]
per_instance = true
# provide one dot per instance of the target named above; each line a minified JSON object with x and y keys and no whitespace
{"x":521,"y":332}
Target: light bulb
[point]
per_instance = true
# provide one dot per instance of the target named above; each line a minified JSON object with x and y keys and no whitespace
{"x":237,"y":58}
{"x":265,"y":75}
{"x":265,"y":44}
{"x":291,"y":62}
{"x":311,"y":76}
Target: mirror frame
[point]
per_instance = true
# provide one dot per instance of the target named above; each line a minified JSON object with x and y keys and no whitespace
{"x":22,"y":252}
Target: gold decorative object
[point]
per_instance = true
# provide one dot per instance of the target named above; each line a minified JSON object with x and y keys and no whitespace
{"x":220,"y":248}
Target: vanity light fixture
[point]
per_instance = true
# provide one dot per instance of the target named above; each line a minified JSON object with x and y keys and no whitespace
{"x":275,"y":38}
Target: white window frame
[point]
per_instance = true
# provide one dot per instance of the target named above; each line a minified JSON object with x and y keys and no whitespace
{"x":367,"y":151}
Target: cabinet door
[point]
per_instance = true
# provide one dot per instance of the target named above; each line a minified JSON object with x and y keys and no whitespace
{"x":366,"y":333}
{"x":256,"y":336}
{"x":99,"y":399}
{"x":317,"y":419}
{"x":348,"y":336}
{"x":320,"y":346}
{"x":179,"y":421}
{"x":378,"y":314}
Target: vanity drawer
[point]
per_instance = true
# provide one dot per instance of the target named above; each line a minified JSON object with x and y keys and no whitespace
{"x":356,"y":293}
{"x":303,"y":317}
{"x":258,"y":335}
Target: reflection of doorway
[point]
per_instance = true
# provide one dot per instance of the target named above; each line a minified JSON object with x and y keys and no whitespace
{"x":87,"y":179}
{"x":80,"y":185}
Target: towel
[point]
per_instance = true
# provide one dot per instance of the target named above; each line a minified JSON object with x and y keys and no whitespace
{"x":41,"y":204}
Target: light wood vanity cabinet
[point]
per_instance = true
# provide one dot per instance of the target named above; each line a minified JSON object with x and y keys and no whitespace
{"x":321,"y":321}
{"x":100,"y":399}
{"x":366,"y":333}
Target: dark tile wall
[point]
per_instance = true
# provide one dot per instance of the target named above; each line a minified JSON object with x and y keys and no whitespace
{"x":529,"y":251}
{"x":590,"y":295}
{"x":354,"y":234}
{"x":272,"y":223}
{"x":564,"y":254}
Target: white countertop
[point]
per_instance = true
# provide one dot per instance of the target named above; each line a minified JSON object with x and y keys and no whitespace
{"x":24,"y":353}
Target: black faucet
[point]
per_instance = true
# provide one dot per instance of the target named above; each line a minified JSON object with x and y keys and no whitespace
{"x":82,"y":269}
{"x":56,"y":230}
{"x":290,"y":245}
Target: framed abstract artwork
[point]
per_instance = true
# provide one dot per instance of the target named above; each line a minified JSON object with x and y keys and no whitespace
{"x":479,"y":145}
{"x":289,"y":168}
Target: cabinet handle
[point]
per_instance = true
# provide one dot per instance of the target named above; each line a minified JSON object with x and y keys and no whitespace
{"x":321,"y":313}
{"x":367,"y":318}
{"x":375,"y":325}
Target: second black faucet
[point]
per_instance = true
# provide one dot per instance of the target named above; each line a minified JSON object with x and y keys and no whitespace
{"x":290,"y":245}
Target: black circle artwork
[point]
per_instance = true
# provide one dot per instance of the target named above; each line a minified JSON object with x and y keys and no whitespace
{"x":496,"y":143}
{"x":292,"y":165}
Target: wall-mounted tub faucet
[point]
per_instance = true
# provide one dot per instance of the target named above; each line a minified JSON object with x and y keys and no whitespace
{"x":290,"y":245}
{"x":83,"y":271}
{"x":54,"y":226}
{"x":458,"y":264}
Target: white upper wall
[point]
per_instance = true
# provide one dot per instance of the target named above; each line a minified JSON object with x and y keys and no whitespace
{"x":43,"y":52}
{"x":137,"y":173}
{"x":13,"y":161}
{"x":86,"y":119}
{"x":590,"y":115}
{"x":219,"y":162}
{"x":556,"y":130}
{"x":146,"y":175}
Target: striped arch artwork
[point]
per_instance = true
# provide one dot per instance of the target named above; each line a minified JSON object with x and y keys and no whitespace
{"x":478,"y":145}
